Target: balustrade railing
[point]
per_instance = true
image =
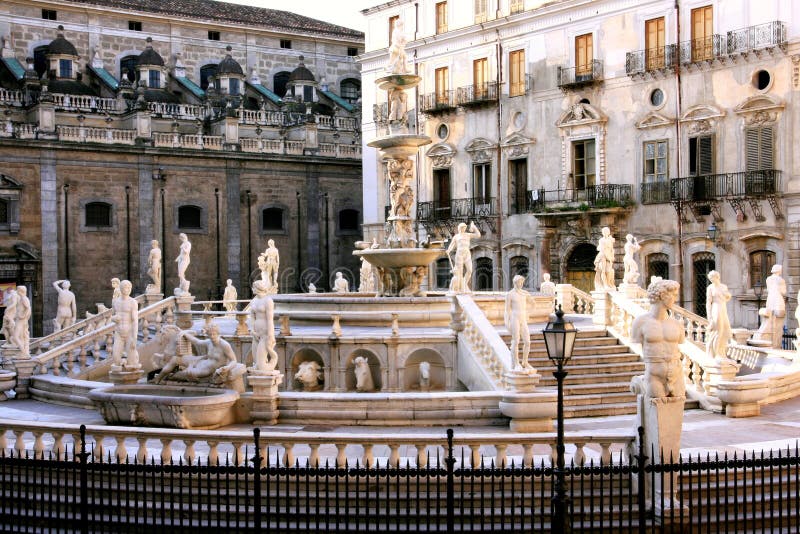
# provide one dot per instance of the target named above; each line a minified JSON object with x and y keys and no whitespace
{"x":191,"y":141}
{"x":10,"y":97}
{"x":457,"y":208}
{"x":177,"y":111}
{"x":486,"y":346}
{"x":580,"y":74}
{"x":651,"y":59}
{"x":584,"y":302}
{"x":87,"y":134}
{"x":757,"y":37}
{"x":655,"y":192}
{"x":83,"y":102}
{"x":437,"y":102}
{"x":726,"y":185}
{"x":593,"y":196}
{"x":703,"y":49}
{"x":482,"y":93}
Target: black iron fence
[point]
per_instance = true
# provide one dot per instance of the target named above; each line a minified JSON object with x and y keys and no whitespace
{"x":650,"y":60}
{"x":437,"y":102}
{"x":457,"y":208}
{"x":580,"y":74}
{"x":593,"y":196}
{"x":655,"y":192}
{"x":703,"y":49}
{"x":480,"y":93}
{"x":788,"y":339}
{"x":759,"y":37}
{"x":73,"y":493}
{"x":727,"y":185}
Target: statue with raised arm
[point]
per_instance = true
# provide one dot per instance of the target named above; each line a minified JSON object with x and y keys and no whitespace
{"x":632,"y":246}
{"x":262,"y":326}
{"x":154,"y":268}
{"x":719,"y":327}
{"x":397,"y":49}
{"x":10,"y":298}
{"x":126,"y":316}
{"x":65,"y":312}
{"x":230,"y":296}
{"x":22,"y":337}
{"x":516,"y":321}
{"x":270,"y":259}
{"x":183,"y":259}
{"x":774,"y":311}
{"x":604,"y":262}
{"x":461,"y":261}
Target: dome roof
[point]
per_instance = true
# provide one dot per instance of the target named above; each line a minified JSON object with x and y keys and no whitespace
{"x":230,"y":65}
{"x":60,"y":46}
{"x":150,"y":56}
{"x":301,"y":73}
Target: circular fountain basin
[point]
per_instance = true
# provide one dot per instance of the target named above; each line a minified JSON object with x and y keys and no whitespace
{"x":398,"y":81}
{"x":166,"y":406}
{"x":396,"y":258}
{"x":400,"y":145}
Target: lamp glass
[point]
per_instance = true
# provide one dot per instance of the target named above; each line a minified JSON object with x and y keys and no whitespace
{"x":559,"y":338}
{"x":712,"y":232}
{"x":758,"y":289}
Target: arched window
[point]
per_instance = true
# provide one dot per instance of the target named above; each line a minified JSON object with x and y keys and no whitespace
{"x":279,"y":83}
{"x":348,"y":220}
{"x":40,"y":64}
{"x":657,"y":265}
{"x":190,"y":217}
{"x":484,"y":269}
{"x":761,"y":262}
{"x":518,"y":265}
{"x":443,"y":274}
{"x":272,"y":219}
{"x":350,"y":89}
{"x":97,"y":215}
{"x":127,"y":67}
{"x":206,"y":73}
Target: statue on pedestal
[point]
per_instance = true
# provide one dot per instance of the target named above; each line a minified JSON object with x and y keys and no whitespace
{"x":629,"y":260}
{"x":547,"y":288}
{"x":126,"y":317}
{"x":22,"y":337}
{"x":774,"y":311}
{"x":230,"y":296}
{"x":115,"y":290}
{"x":10,"y":298}
{"x":154,"y":268}
{"x":604,"y":263}
{"x":269,"y":262}
{"x":366,"y":278}
{"x":461,"y":261}
{"x":262,"y":326}
{"x":66,"y":312}
{"x":183,"y":259}
{"x":719,"y":327}
{"x":397,"y":49}
{"x":340,"y":285}
{"x":516,"y":321}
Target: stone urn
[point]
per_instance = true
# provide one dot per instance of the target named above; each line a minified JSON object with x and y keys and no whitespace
{"x":8,"y":381}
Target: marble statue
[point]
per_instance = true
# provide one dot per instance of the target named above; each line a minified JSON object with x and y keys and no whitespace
{"x":126,"y":316}
{"x":366,"y":278}
{"x":397,"y":49}
{"x":398,"y":104}
{"x":660,"y":336}
{"x":269,"y":262}
{"x":230,"y":296}
{"x":154,"y":268}
{"x":340,"y":285}
{"x":10,"y":299}
{"x":66,"y":312}
{"x":413,"y":278}
{"x":547,"y":288}
{"x":774,"y":311}
{"x":719,"y":327}
{"x":262,"y":326}
{"x":183,"y":259}
{"x":632,"y":247}
{"x":516,"y":321}
{"x":363,"y":374}
{"x":604,"y":262}
{"x":215,"y":362}
{"x":115,"y":287}
{"x":310,"y":376}
{"x":312,"y":288}
{"x":424,"y":376}
{"x":22,"y":337}
{"x":461,"y":262}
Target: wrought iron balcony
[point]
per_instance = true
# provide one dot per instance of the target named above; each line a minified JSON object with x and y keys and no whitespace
{"x":655,"y":193}
{"x":710,"y":187}
{"x":704,"y":49}
{"x":591,"y":197}
{"x":760,"y":37}
{"x":579,"y":75}
{"x":651,"y":60}
{"x":476,"y":95}
{"x":521,"y":87}
{"x":457,"y":208}
{"x":438,"y":102}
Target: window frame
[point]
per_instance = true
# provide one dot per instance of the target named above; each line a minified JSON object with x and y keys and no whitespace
{"x":154,"y":75}
{"x":441,"y":85}
{"x":516,"y":72}
{"x":65,"y":68}
{"x":286,"y":44}
{"x":654,"y":53}
{"x":584,"y":54}
{"x":177,"y":228}
{"x":284,"y":211}
{"x":281,"y":77}
{"x":49,"y":14}
{"x":135,"y":25}
{"x":482,"y":182}
{"x":440,"y":17}
{"x":234,"y":87}
{"x":346,"y":86}
{"x":84,"y":204}
{"x":348,"y":231}
{"x":695,"y":161}
{"x":757,"y":140}
{"x":702,"y":39}
{"x":214,"y":35}
{"x":585,"y":159}
{"x":765,"y":267}
{"x":481,"y":11}
{"x":655,"y":174}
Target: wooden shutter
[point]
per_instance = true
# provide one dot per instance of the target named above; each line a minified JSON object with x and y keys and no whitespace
{"x":705,"y":155}
{"x":759,"y":148}
{"x":441,"y":85}
{"x":480,"y":74}
{"x":516,"y":60}
{"x":441,"y":17}
{"x":583,"y":54}
{"x":702,"y":32}
{"x":654,"y":43}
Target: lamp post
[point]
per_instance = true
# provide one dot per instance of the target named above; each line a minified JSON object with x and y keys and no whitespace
{"x":758,"y":289}
{"x":713,"y":233}
{"x":559,"y":339}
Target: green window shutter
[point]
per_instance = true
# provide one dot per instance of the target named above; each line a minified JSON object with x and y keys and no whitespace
{"x":705,"y":155}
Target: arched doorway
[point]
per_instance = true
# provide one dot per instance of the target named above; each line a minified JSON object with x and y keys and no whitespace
{"x":702,"y":264}
{"x":580,"y":267}
{"x":657,"y":265}
{"x":484,"y":271}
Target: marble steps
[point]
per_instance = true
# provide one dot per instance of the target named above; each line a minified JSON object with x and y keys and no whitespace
{"x":543,"y":362}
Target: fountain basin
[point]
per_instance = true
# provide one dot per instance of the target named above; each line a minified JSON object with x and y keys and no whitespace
{"x":166,"y":406}
{"x":392,"y":261}
{"x":398,"y":81}
{"x":400,"y":146}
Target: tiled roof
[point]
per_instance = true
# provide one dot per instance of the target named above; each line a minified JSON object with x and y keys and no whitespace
{"x":232,"y":14}
{"x":106,"y":77}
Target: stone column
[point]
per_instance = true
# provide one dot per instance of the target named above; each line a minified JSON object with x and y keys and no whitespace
{"x":602,"y":308}
{"x":50,"y":234}
{"x":233,"y":172}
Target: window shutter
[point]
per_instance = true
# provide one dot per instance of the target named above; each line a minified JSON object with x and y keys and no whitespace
{"x":767,"y":155}
{"x":759,"y":148}
{"x":705,"y":155}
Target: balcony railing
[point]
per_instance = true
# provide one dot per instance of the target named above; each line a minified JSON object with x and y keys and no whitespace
{"x":580,"y":74}
{"x":438,"y":102}
{"x":655,"y":192}
{"x":521,"y":87}
{"x":704,"y":49}
{"x":708,"y":187}
{"x":593,"y":196}
{"x":478,"y":94}
{"x":758,"y":37}
{"x":651,"y":60}
{"x":457,"y":208}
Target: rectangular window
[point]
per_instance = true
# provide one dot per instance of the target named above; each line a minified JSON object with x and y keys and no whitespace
{"x":481,"y":183}
{"x":655,"y":161}
{"x":441,"y":193}
{"x":49,"y":14}
{"x":518,"y":186}
{"x":213,"y":35}
{"x":352,"y":51}
{"x":516,"y":69}
{"x":583,"y":164}
{"x":761,"y":262}
{"x":480,"y":77}
{"x":759,"y":151}
{"x":392,"y":22}
{"x":517,"y":6}
{"x":134,"y":25}
{"x":65,"y":68}
{"x":442,"y":86}
{"x":286,"y":43}
{"x":154,"y":79}
{"x":701,"y":155}
{"x":654,"y":42}
{"x":481,"y":11}
{"x":233,"y":86}
{"x":702,"y":33}
{"x":441,"y":17}
{"x":584,"y":54}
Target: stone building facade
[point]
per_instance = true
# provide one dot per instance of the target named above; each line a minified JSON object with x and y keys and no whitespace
{"x":672,"y":121}
{"x":122,"y":124}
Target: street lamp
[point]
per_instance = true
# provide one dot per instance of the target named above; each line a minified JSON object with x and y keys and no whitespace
{"x":559,"y":339}
{"x":758,"y":290}
{"x":713,"y":232}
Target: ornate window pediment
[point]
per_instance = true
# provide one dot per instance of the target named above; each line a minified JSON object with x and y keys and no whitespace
{"x":441,"y":154}
{"x":759,"y":109}
{"x":517,"y":145}
{"x":580,"y":114}
{"x":481,"y":150}
{"x":701,"y":118}
{"x":654,"y":120}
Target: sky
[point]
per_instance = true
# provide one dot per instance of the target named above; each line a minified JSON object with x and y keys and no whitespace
{"x":345,"y":13}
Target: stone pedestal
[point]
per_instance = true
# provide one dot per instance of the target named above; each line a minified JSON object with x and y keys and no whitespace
{"x":722,"y":369}
{"x":629,"y":290}
{"x":23,"y":366}
{"x":152,"y":297}
{"x":741,"y":335}
{"x":529,"y":410}
{"x":8,"y":381}
{"x":241,"y":325}
{"x":602,"y":308}
{"x":265,"y":396}
{"x":120,"y":376}
{"x":742,"y":398}
{"x":184,"y":320}
{"x":565,"y":298}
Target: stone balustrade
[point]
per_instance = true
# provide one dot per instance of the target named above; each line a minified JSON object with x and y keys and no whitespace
{"x":85,"y":134}
{"x":83,"y":103}
{"x":190,"y":141}
{"x":262,"y":117}
{"x":489,"y":351}
{"x":284,"y":449}
{"x":10,"y":97}
{"x":177,"y":111}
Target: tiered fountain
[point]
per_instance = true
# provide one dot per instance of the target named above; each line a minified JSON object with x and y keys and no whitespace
{"x":400,"y":263}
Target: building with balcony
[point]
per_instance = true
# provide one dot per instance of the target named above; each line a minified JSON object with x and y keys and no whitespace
{"x":656,"y":118}
{"x":124,"y":122}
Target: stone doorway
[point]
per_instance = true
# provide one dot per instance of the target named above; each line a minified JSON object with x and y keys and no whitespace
{"x":580,"y":267}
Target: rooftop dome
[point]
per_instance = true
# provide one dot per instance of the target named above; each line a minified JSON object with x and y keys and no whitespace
{"x":301,"y":73}
{"x":229,"y":65}
{"x":60,"y":46}
{"x":150,"y":56}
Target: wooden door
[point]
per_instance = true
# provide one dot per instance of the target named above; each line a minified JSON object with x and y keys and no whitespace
{"x":480,"y":77}
{"x":702,"y":33}
{"x":442,"y":82}
{"x":654,"y":43}
{"x":584,"y":54}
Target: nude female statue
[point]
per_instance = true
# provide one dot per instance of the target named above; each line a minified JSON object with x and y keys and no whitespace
{"x":183,"y":260}
{"x":719,"y":326}
{"x":262,"y":325}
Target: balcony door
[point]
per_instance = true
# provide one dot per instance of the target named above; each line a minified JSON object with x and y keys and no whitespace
{"x":702,"y":33}
{"x":481,"y":186}
{"x":583,"y":165}
{"x":654,"y":43}
{"x":701,"y":165}
{"x":480,"y":78}
{"x":441,"y":193}
{"x":703,"y":263}
{"x":442,"y":85}
{"x":518,"y":186}
{"x":584,"y":54}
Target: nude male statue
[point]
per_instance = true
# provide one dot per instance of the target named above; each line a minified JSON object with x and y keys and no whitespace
{"x":9,"y":317}
{"x":516,"y":321}
{"x":126,"y":316}
{"x":154,"y":266}
{"x":21,"y":337}
{"x":272,"y":262}
{"x":462,"y":260}
{"x":66,"y":312}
